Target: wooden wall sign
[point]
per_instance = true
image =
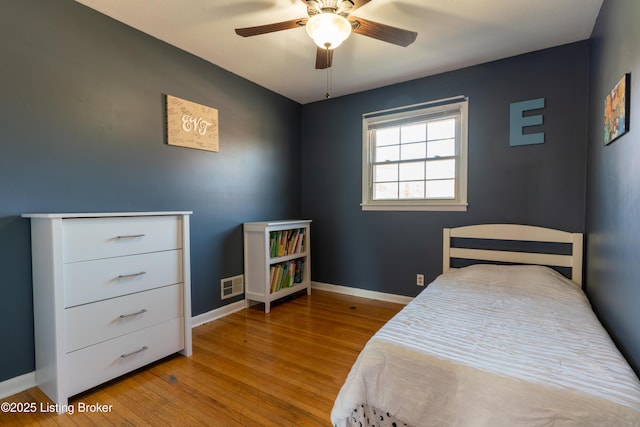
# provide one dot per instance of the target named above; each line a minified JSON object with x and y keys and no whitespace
{"x":191,"y":125}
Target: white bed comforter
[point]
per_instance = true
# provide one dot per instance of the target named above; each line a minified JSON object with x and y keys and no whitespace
{"x":492,"y":346}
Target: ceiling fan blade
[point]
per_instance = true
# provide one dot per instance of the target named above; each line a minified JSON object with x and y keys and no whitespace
{"x":270,"y":28}
{"x":324,"y":58}
{"x":358,"y":4}
{"x":384,"y":32}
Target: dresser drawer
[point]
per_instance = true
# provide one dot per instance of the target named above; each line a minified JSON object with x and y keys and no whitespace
{"x":90,"y":324}
{"x":94,"y":238}
{"x":91,"y":281}
{"x":93,"y":365}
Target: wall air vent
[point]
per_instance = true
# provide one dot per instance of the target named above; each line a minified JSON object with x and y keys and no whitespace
{"x":231,"y":286}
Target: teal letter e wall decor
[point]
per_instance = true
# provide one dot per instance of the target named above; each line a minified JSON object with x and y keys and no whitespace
{"x":518,"y":121}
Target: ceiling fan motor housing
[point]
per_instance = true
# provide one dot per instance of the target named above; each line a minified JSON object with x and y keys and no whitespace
{"x":341,"y":7}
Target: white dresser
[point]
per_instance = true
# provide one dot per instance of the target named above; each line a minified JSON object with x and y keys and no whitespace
{"x":111,"y":293}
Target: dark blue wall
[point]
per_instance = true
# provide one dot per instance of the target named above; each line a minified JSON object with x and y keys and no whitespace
{"x":538,"y":184}
{"x":82,"y":130}
{"x":613,"y":209}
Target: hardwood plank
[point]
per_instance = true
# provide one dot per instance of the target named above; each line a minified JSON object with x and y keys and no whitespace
{"x":249,"y":368}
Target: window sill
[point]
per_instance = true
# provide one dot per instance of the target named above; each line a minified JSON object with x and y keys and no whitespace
{"x":392,"y":206}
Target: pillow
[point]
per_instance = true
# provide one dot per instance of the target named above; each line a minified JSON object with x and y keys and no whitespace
{"x":532,"y":278}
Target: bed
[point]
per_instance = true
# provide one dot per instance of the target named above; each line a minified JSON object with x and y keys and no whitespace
{"x":508,"y":341}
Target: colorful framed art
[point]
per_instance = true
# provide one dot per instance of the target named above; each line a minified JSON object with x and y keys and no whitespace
{"x":616,"y":110}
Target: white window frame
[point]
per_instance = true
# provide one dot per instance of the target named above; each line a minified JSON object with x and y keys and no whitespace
{"x":458,"y":104}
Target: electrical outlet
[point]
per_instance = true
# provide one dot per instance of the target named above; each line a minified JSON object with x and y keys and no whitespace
{"x":420,"y":280}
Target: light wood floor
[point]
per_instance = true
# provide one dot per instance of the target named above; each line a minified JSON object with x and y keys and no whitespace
{"x":284,"y":368}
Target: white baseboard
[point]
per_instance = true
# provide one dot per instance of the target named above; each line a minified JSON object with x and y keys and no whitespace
{"x":400,"y":299}
{"x":209,"y":316}
{"x":17,"y":384}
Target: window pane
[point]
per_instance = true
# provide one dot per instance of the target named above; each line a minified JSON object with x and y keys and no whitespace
{"x":412,"y":171}
{"x":441,"y":148}
{"x":412,"y":190}
{"x":387,"y":136}
{"x":441,"y":169}
{"x":414,"y":133}
{"x":385,"y":191}
{"x":413,"y":151}
{"x":385,"y":154}
{"x":444,"y":189}
{"x":385,"y":173}
{"x":441,"y":129}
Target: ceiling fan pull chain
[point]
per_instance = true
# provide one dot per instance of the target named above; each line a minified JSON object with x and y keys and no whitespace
{"x":328,"y":94}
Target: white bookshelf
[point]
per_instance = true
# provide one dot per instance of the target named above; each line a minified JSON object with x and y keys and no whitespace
{"x":271,"y":275}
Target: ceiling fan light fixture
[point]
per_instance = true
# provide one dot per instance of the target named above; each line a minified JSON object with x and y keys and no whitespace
{"x":328,"y":30}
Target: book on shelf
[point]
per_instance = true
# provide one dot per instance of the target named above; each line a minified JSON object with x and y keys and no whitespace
{"x":299,"y":243}
{"x":273,"y":272}
{"x":299,"y":271}
{"x":273,"y":238}
{"x":286,"y":274}
{"x":286,"y":242}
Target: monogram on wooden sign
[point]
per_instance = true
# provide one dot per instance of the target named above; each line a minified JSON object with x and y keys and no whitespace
{"x":191,"y":125}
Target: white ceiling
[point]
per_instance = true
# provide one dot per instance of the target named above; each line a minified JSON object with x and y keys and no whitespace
{"x":451,"y":34}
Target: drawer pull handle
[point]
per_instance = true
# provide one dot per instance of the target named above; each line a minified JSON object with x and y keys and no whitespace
{"x":130,"y":236}
{"x":124,"y":356}
{"x":126,"y":276}
{"x":124,"y":316}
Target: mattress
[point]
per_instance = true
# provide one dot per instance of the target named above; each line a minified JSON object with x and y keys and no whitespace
{"x":491,"y":345}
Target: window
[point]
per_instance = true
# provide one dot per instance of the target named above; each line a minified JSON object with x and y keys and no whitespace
{"x":415,"y":158}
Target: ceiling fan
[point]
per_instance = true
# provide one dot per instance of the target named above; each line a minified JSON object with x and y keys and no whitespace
{"x":330,"y":23}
